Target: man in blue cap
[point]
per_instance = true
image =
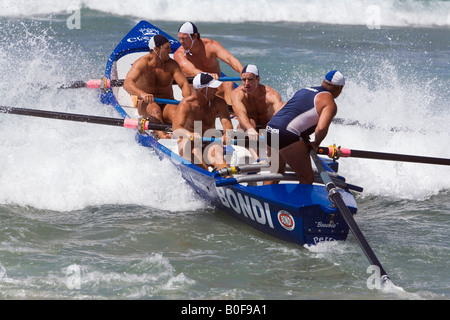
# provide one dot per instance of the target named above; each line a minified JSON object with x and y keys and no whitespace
{"x":309,"y":111}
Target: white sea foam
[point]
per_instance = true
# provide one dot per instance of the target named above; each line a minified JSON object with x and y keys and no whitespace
{"x":395,"y":114}
{"x":362,"y":12}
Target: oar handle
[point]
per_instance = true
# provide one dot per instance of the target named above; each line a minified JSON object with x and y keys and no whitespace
{"x":166,"y":101}
{"x":143,"y":125}
{"x":245,"y":139}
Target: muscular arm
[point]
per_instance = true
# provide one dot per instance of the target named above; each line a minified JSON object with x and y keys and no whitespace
{"x":274,"y":99}
{"x":224,"y":55}
{"x":182,"y":126}
{"x":182,"y":82}
{"x":327,"y":110}
{"x":187,"y":67}
{"x":180,"y":117}
{"x":132,"y":77}
{"x":240,"y":110}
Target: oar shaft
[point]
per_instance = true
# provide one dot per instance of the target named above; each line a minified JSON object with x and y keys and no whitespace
{"x":346,"y":214}
{"x":344,"y":152}
{"x":127,"y":123}
{"x":62,"y":116}
{"x":107,"y":83}
{"x":396,"y":157}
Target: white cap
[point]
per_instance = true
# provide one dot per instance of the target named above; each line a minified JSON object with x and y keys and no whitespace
{"x":188,"y":27}
{"x":203,"y":80}
{"x":335,"y":77}
{"x":251,"y":68}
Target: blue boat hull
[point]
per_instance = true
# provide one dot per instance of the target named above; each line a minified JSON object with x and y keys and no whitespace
{"x":297,"y":213}
{"x":293,"y":212}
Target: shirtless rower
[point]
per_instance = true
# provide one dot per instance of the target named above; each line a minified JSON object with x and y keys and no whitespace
{"x":197,"y":55}
{"x":152,"y":76}
{"x":254,"y":104}
{"x":201,"y":109}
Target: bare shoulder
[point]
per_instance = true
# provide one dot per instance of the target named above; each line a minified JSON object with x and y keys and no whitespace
{"x":172,"y":64}
{"x":207,"y":41}
{"x":238,"y":93}
{"x":179,"y":53}
{"x":211,"y":44}
{"x":325,"y":100}
{"x":268,"y":90}
{"x":142,"y":62}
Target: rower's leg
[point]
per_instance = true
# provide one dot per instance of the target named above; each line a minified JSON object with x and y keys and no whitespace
{"x":297,"y":157}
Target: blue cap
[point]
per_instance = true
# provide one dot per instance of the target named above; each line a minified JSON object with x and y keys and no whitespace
{"x":335,"y":77}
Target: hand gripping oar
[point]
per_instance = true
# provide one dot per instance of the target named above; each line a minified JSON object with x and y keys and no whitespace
{"x":140,"y":124}
{"x":336,"y":153}
{"x":336,"y":197}
{"x":107,"y":83}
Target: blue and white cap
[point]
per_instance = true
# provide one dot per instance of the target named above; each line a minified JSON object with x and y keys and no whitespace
{"x":157,"y":41}
{"x":335,"y":77}
{"x":251,"y":68}
{"x":188,"y":27}
{"x":205,"y":80}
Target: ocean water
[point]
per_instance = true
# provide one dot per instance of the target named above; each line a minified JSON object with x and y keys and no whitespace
{"x":86,"y":213}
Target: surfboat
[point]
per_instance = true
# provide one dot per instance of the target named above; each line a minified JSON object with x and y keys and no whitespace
{"x":290,"y":211}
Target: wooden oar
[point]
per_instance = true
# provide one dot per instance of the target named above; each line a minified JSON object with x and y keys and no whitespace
{"x":336,"y":197}
{"x":107,"y":83}
{"x":336,"y":153}
{"x":140,"y":124}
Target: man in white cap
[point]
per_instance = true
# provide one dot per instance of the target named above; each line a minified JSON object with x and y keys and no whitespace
{"x":309,"y":111}
{"x":197,"y":55}
{"x":152,"y":76}
{"x":253,"y":103}
{"x":199,"y":111}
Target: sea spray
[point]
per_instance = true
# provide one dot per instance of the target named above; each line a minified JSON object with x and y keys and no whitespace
{"x":344,"y":12}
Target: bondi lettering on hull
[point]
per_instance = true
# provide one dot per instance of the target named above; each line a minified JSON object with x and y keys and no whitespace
{"x":250,"y":207}
{"x":253,"y":209}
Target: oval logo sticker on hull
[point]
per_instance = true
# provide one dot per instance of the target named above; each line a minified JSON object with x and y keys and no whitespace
{"x":286,"y":220}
